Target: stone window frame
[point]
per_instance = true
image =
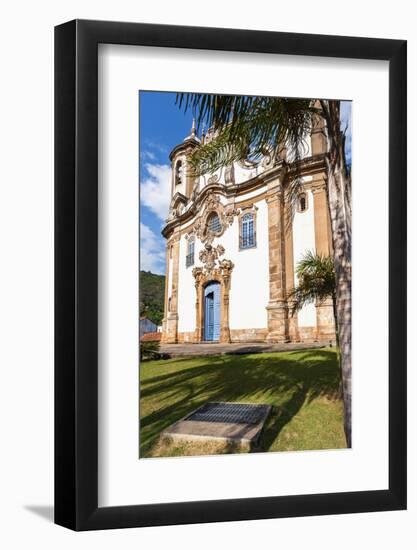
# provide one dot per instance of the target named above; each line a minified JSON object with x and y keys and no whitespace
{"x":190,"y":256}
{"x":219,"y":221}
{"x":178,"y":176}
{"x":252,"y":209}
{"x":225,"y":212}
{"x":304,"y":195}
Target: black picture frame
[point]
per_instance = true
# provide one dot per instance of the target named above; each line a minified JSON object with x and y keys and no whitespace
{"x":76,"y":271}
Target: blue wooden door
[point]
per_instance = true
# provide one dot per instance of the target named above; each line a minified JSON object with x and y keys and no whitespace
{"x":212,"y":311}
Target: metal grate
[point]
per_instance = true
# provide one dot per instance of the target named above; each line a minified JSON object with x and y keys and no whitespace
{"x":230,"y":413}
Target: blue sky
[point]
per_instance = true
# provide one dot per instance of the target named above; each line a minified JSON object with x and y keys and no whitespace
{"x":162,"y":127}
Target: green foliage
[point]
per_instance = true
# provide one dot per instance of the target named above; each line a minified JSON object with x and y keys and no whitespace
{"x":152,"y":290}
{"x":146,"y":348}
{"x":316,"y":280}
{"x":302,"y":387}
{"x":248,"y":125}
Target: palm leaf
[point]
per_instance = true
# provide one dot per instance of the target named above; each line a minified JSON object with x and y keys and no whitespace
{"x":316,"y":281}
{"x":250,"y":124}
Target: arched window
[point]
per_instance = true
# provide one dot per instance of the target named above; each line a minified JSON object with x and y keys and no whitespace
{"x":302,"y":202}
{"x":169,"y":304}
{"x":213,"y":223}
{"x":247,"y":230}
{"x":189,"y":259}
{"x":178,"y":173}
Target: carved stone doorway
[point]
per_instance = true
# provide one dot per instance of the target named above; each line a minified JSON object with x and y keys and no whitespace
{"x":221,"y":276}
{"x":212,"y":312}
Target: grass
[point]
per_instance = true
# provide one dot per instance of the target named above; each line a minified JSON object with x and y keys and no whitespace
{"x":302,"y":386}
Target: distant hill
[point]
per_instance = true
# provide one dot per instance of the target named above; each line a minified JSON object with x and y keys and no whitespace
{"x":152,"y":290}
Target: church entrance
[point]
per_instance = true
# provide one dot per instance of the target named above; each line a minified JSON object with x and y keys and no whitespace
{"x":212,"y":311}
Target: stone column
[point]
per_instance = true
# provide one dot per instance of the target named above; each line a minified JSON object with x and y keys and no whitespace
{"x":171,"y":331}
{"x":322,"y":231}
{"x":190,"y":179}
{"x":225,"y":267}
{"x":293,"y":331}
{"x":277,"y":307}
{"x":198,"y":274}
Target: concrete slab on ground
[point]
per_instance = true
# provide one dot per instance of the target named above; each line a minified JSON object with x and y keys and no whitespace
{"x":181,"y":350}
{"x":244,"y":431}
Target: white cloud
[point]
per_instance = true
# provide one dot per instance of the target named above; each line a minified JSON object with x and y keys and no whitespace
{"x":152,"y":251}
{"x":148,"y":155}
{"x":155,"y":190}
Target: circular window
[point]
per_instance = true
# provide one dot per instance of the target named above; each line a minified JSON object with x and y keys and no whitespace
{"x":213,"y":223}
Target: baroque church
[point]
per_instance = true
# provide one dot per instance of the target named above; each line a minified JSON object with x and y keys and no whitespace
{"x":233,"y":242}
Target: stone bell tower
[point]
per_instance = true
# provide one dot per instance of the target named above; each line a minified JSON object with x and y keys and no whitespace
{"x":182,"y":175}
{"x":182,"y":185}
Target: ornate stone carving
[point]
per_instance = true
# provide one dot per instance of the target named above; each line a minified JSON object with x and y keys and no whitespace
{"x":229,"y":174}
{"x":209,"y":255}
{"x":226,"y":214}
{"x":202,"y":276}
{"x":197,"y":274}
{"x":212,"y":201}
{"x":270,"y":158}
{"x":225,"y":268}
{"x":177,"y":205}
{"x":213,"y":179}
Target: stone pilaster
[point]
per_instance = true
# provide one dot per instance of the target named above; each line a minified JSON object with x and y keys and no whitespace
{"x":318,"y":135}
{"x":293,"y":331}
{"x":198,"y":276}
{"x":277,"y":307}
{"x":171,"y":324}
{"x":324,"y":310}
{"x":190,"y":177}
{"x":322,"y":228}
{"x":226,"y":268}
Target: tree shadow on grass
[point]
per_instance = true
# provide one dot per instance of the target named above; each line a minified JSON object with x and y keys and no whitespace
{"x":284,"y":380}
{"x":280,"y":417}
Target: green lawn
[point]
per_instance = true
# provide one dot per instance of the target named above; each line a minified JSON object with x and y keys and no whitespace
{"x":301,"y":386}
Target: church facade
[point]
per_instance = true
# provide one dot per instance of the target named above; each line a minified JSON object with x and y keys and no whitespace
{"x":233,"y":241}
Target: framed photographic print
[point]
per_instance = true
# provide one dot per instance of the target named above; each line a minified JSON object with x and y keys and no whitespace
{"x":230,"y":275}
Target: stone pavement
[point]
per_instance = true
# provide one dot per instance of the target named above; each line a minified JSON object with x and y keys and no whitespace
{"x":181,"y":350}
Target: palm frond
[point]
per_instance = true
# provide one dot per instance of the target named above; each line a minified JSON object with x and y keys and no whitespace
{"x":263,"y":122}
{"x":253,"y":124}
{"x":316,"y":281}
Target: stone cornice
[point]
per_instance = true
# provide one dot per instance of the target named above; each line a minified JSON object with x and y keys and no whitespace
{"x":305,"y":167}
{"x":186,"y":144}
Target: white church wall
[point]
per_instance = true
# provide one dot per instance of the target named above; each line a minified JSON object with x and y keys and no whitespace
{"x":250,"y":277}
{"x":250,"y":195}
{"x":244,"y":174}
{"x":304,"y":240}
{"x":186,"y":288}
